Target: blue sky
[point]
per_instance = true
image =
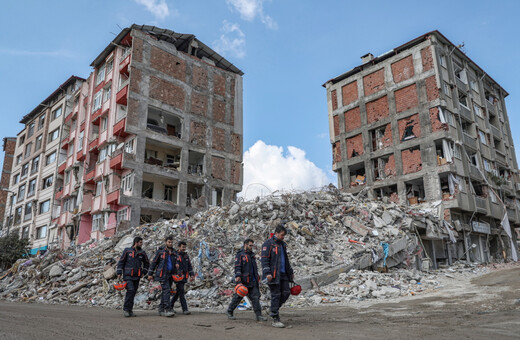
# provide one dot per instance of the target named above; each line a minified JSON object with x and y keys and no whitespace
{"x":287,"y":49}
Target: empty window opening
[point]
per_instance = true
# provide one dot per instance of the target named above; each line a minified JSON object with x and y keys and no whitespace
{"x":357,"y":174}
{"x":384,"y":167}
{"x":460,"y":72}
{"x":195,"y":195}
{"x":388,"y":191}
{"x":216,"y":197}
{"x":451,"y":185}
{"x":147,"y":191}
{"x":408,"y":131}
{"x":463,"y":99}
{"x":415,"y":191}
{"x":445,"y":150}
{"x":196,"y":163}
{"x":161,"y":154}
{"x":380,"y":137}
{"x":170,"y":193}
{"x":163,"y":122}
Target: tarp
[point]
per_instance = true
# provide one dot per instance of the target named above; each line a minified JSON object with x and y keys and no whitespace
{"x":35,"y":250}
{"x":507,"y":228}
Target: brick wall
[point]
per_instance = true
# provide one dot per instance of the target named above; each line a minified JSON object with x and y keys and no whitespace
{"x":334,"y":98}
{"x":437,"y":125}
{"x":355,"y":145}
{"x":387,"y":137}
{"x":199,"y":103}
{"x":200,"y":77}
{"x":432,"y":91}
{"x":219,"y":110}
{"x":406,"y":98}
{"x":336,"y":152}
{"x":167,"y":92}
{"x":135,"y":82}
{"x":235,"y":172}
{"x":219,"y":139}
{"x":403,"y":69}
{"x":219,"y":85}
{"x":390,"y":167}
{"x":352,"y":119}
{"x":132,"y":114}
{"x":374,"y":82}
{"x":411,"y":161}
{"x":409,"y":122}
{"x":377,"y":109}
{"x":349,"y":93}
{"x":236,"y":144}
{"x":137,"y":49}
{"x":218,"y":167}
{"x":168,"y":63}
{"x":336,"y":125}
{"x":198,"y":133}
{"x":427,"y":58}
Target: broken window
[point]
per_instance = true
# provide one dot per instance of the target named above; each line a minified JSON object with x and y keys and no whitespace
{"x":195,"y":195}
{"x":380,"y":137}
{"x":216,"y":197}
{"x":463,"y":99}
{"x":477,"y":110}
{"x":444,"y":151}
{"x":147,"y":191}
{"x":384,"y":167}
{"x":168,"y":193}
{"x":460,"y":72}
{"x":408,"y":131}
{"x":357,"y":174}
{"x":451,"y":185}
{"x":467,"y":128}
{"x":446,"y":88}
{"x":389,"y":191}
{"x":195,"y":163}
{"x":482,"y":136}
{"x":415,"y":191}
{"x":489,"y":97}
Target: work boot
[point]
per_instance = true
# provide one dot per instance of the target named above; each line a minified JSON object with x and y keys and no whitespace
{"x":277,"y":323}
{"x":261,"y":318}
{"x":168,"y":313}
{"x":230,"y":315}
{"x":160,"y":311}
{"x":132,"y":314}
{"x":126,"y":314}
{"x":186,"y":312}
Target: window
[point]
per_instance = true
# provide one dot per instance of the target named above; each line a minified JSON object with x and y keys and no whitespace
{"x":443,"y":60}
{"x":463,"y":99}
{"x":41,"y":121}
{"x":16,"y":178}
{"x":477,"y":110}
{"x":473,"y":84}
{"x":41,"y":232}
{"x":168,"y":193}
{"x":97,"y":101}
{"x":127,"y":182}
{"x":492,"y":196}
{"x":109,"y":66}
{"x":44,"y":206}
{"x":35,"y":164}
{"x":460,"y":72}
{"x":67,"y":177}
{"x":25,"y":232}
{"x":102,"y":154}
{"x":27,"y":152}
{"x":104,"y":123}
{"x":80,"y":140}
{"x":38,"y":143}
{"x":50,"y":158}
{"x":487,"y":164}
{"x":13,"y":199}
{"x":100,"y":75}
{"x":32,"y":187}
{"x":30,"y":130}
{"x":457,"y":152}
{"x":97,"y":222}
{"x":18,"y":159}
{"x":99,"y":187}
{"x":21,"y":193}
{"x":56,"y":113}
{"x":129,"y":146}
{"x":482,"y":137}
{"x":122,"y":215}
{"x":48,"y":181}
{"x":106,"y":93}
{"x":25,"y":170}
{"x":28,"y":211}
{"x":21,"y":140}
{"x":147,"y":191}
{"x":446,"y":88}
{"x":54,"y":135}
{"x":66,"y":204}
{"x":18,"y":215}
{"x":449,"y":117}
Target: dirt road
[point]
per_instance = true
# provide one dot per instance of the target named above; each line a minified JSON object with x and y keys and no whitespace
{"x":486,"y":307}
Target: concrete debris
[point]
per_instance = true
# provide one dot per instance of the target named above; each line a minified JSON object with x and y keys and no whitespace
{"x":334,"y":239}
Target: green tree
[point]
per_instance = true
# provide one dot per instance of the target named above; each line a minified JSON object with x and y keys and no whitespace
{"x":12,"y":247}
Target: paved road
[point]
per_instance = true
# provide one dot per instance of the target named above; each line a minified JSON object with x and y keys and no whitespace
{"x":489,"y":307}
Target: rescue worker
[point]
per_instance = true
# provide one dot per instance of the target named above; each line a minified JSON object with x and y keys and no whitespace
{"x":163,"y":267}
{"x":277,"y":270}
{"x":246,"y":273}
{"x":131,"y":266}
{"x":186,"y":271}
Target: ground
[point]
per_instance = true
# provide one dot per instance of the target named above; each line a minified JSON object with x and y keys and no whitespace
{"x":484,"y":307}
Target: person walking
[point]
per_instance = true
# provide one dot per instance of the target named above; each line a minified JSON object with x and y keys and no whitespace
{"x":132,"y":264}
{"x":186,"y":272}
{"x":278,"y":272}
{"x":246,"y":273}
{"x":163,"y":267}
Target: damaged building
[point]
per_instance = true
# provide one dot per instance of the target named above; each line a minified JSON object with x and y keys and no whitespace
{"x":154,"y":132}
{"x":423,"y":123}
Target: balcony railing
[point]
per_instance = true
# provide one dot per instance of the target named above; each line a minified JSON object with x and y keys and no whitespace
{"x":481,"y":204}
{"x":466,"y":113}
{"x":495,"y":131}
{"x":470,"y":141}
{"x":499,"y":157}
{"x":474,"y":171}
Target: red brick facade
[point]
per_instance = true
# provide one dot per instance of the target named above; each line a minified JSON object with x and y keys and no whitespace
{"x":432,"y":91}
{"x":349,"y":93}
{"x":406,"y":98}
{"x":403,"y":69}
{"x":374,"y":82}
{"x":377,"y":109}
{"x":355,"y":146}
{"x":411,"y":125}
{"x":427,"y":58}
{"x":352,"y":119}
{"x":411,"y":161}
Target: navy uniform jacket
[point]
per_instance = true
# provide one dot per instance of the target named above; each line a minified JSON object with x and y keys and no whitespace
{"x":271,"y":260}
{"x":133,"y":264}
{"x":159,"y":265}
{"x":243,"y":261}
{"x":185,"y":268}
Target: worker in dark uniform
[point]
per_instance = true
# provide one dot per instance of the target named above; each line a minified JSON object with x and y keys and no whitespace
{"x":132,"y":265}
{"x":278,"y":272}
{"x":186,"y":272}
{"x":163,"y":267}
{"x":246,"y":273}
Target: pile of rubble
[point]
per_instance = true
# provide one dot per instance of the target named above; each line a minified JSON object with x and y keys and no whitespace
{"x":332,"y":237}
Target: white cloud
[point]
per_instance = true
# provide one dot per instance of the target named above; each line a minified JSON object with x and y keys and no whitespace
{"x":158,"y":8}
{"x":250,"y":9}
{"x":232,"y":41}
{"x":267,"y":168}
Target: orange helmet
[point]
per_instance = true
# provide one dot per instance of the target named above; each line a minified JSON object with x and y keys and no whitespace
{"x":120,"y":285}
{"x":177,"y":278}
{"x":241,"y":290}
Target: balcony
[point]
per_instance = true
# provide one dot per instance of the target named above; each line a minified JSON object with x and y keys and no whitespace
{"x":82,"y":126}
{"x":65,"y":142}
{"x":122,"y":96}
{"x":119,"y":128}
{"x":517,"y":186}
{"x":80,"y":156}
{"x":116,"y":160}
{"x":511,"y":214}
{"x":466,"y":113}
{"x":490,"y":106}
{"x":475,"y":172}
{"x":113,"y":197}
{"x":89,"y":174}
{"x":59,"y":193}
{"x":481,"y":204}
{"x":500,"y":157}
{"x":95,"y":117}
{"x":495,"y":130}
{"x":93,"y":145}
{"x":62,"y":167}
{"x":470,"y":141}
{"x":123,"y":66}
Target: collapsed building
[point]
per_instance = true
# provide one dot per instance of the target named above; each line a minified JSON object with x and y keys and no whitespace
{"x":424,"y":123}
